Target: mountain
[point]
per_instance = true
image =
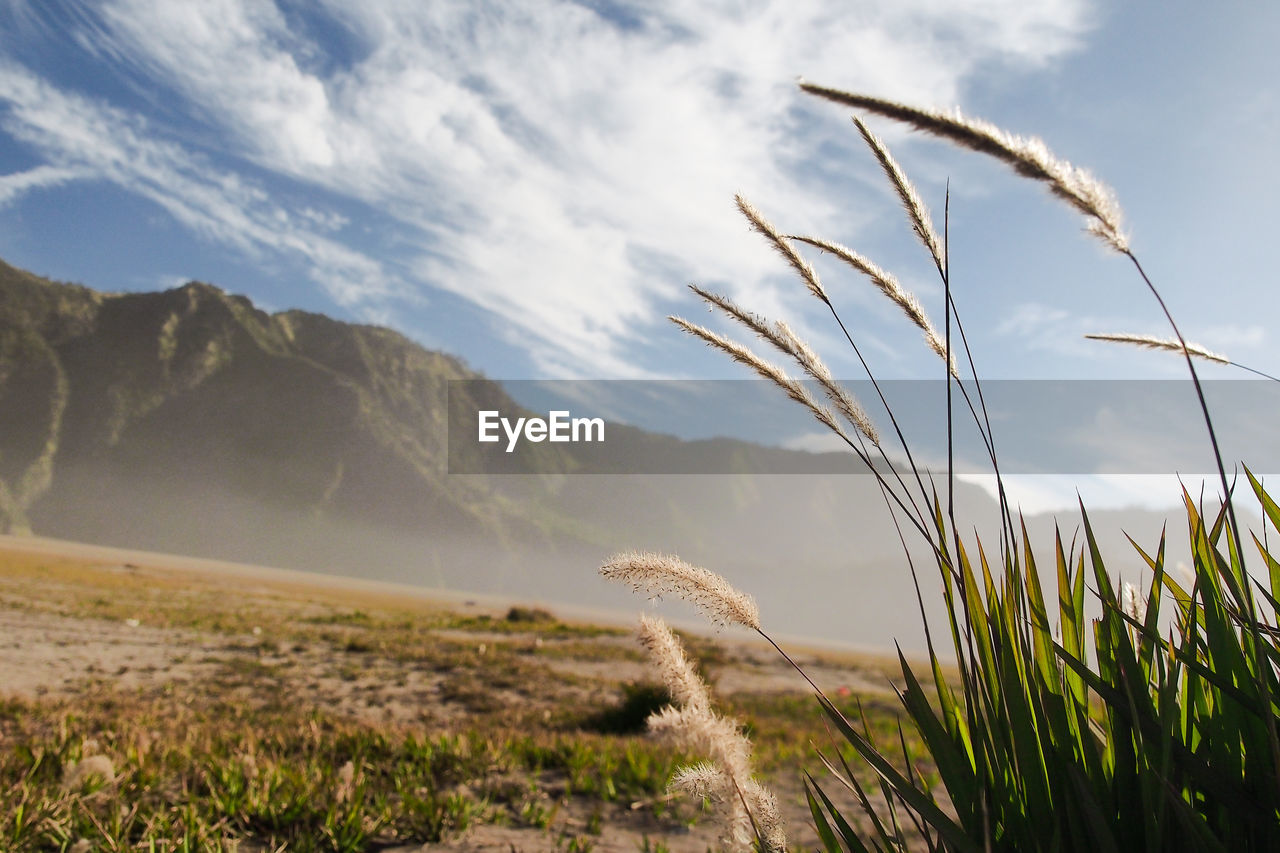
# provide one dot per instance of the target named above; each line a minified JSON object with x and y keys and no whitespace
{"x":159,"y":419}
{"x":190,"y":421}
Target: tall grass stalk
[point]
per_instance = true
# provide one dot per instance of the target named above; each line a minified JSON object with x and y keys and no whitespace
{"x":749,"y":808}
{"x":1168,"y":345}
{"x":1061,"y":730}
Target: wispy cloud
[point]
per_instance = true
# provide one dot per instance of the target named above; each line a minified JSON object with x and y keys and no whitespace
{"x":563,"y":166}
{"x":816,"y":442}
{"x":13,"y":186}
{"x":1036,"y":326}
{"x":86,"y":139}
{"x":1037,"y":493}
{"x":1236,"y":336}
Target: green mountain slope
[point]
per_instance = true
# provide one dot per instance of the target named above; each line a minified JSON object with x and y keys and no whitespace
{"x":175,"y":419}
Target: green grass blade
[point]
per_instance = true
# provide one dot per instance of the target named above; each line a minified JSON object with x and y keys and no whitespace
{"x":953,"y":760}
{"x":852,"y":842}
{"x":912,"y":796}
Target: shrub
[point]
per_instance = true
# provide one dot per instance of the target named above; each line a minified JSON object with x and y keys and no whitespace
{"x":640,"y":700}
{"x":536,"y":615}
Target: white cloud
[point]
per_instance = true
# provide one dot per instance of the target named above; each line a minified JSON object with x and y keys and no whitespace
{"x":1037,"y":493}
{"x":15,"y":185}
{"x":1233,"y":337}
{"x":170,"y":281}
{"x":816,"y":442}
{"x":547,"y":156}
{"x":241,"y":47}
{"x":85,"y":139}
{"x":1050,"y":329}
{"x":1035,"y":321}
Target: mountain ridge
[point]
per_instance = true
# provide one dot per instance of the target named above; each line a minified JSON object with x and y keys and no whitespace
{"x":190,"y":421}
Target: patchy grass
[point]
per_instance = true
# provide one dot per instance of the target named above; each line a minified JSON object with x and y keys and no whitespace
{"x":208,"y":772}
{"x":316,"y":720}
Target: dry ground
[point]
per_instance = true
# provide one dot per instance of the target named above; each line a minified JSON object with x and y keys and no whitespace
{"x":225,"y":645}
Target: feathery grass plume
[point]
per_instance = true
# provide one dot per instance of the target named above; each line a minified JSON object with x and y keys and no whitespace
{"x":742,"y":355}
{"x":702,"y":779}
{"x":712,"y":785}
{"x":1132,"y":602}
{"x":746,"y":806}
{"x":1028,"y":156}
{"x":802,"y":352}
{"x":666,"y":650}
{"x":721,"y":739}
{"x":708,"y":782}
{"x":762,"y":225}
{"x":706,"y":732}
{"x":921,"y":222}
{"x":840,"y":397}
{"x":785,"y":340}
{"x":710,"y":593}
{"x":889,"y":286}
{"x":1171,"y":344}
{"x":764,"y":806}
{"x":693,"y":723}
{"x":750,"y":319}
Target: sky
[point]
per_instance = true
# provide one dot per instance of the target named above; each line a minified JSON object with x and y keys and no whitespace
{"x":531,"y":185}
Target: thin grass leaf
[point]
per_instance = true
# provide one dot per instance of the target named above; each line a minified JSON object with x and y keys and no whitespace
{"x":916,"y":799}
{"x":1273,"y":567}
{"x":1071,"y":616}
{"x":850,"y":781}
{"x":825,"y":833}
{"x":1269,"y":506}
{"x":954,"y":761}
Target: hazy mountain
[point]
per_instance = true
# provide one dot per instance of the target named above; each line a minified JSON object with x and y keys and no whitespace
{"x":190,"y":421}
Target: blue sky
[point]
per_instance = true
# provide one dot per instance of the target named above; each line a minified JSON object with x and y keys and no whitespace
{"x":531,"y":185}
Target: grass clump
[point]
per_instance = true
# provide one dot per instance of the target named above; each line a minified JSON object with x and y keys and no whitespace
{"x":1075,"y":717}
{"x":639,"y":701}
{"x":530,"y":615}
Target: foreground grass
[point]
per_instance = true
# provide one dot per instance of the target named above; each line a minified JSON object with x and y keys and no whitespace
{"x":304,"y":719}
{"x":204,"y":777}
